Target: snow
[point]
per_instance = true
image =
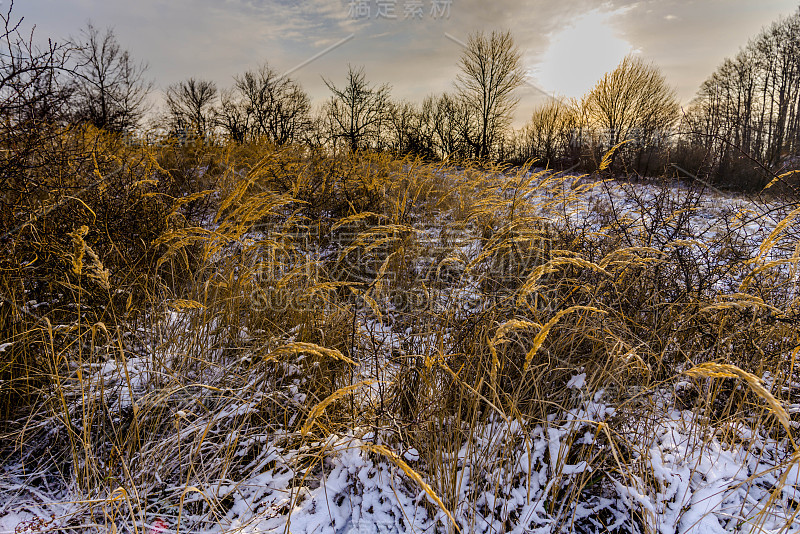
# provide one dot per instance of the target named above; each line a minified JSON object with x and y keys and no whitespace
{"x":9,"y":521}
{"x":411,"y":455}
{"x":507,"y":476}
{"x":577,"y":381}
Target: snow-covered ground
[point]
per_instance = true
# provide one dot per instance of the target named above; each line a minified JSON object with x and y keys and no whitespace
{"x":674,"y":475}
{"x":506,"y":479}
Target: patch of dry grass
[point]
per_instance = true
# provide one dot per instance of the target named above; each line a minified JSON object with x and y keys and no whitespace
{"x":255,"y":294}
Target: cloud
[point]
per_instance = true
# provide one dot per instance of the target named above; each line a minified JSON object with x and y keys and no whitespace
{"x":581,"y":52}
{"x":217,"y":39}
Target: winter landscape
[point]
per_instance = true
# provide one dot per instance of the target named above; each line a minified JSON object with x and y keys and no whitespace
{"x":235,"y":306}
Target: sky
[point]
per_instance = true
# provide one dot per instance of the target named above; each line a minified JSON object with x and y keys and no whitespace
{"x":413,"y":45}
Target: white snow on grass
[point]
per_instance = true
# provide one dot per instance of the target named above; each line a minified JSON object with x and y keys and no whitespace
{"x":555,"y":476}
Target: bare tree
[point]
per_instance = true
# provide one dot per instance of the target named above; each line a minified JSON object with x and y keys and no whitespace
{"x":632,"y":103}
{"x":275,"y":107}
{"x":34,"y":95}
{"x":777,"y":51}
{"x":33,"y":84}
{"x":548,"y":134}
{"x":358,"y":110}
{"x":111,"y":87}
{"x":491,"y":69}
{"x":721,"y":118}
{"x":410,"y":132}
{"x":319,"y":132}
{"x":190,"y":105}
{"x":445,"y":119}
{"x":232,"y":116}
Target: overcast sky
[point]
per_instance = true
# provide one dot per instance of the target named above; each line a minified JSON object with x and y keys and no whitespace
{"x":413,"y":44}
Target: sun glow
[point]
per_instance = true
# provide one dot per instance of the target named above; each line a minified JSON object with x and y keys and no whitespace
{"x":581,"y":53}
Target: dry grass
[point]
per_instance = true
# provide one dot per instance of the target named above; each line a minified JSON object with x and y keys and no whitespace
{"x":257,"y":295}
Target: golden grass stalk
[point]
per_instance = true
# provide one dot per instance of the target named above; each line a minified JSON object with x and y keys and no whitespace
{"x":773,"y":236}
{"x":86,"y":261}
{"x":319,"y":409}
{"x":184,"y":304}
{"x":79,"y":248}
{"x":416,"y":477}
{"x":740,"y":301}
{"x":630,"y":254}
{"x":190,"y":198}
{"x":608,"y":157}
{"x":309,"y":348}
{"x":357,"y":217}
{"x":724,"y":370}
{"x":384,"y":267}
{"x":767,"y":266}
{"x":499,"y":337}
{"x":552,"y":266}
{"x":509,"y":326}
{"x":542,"y":335}
{"x":371,"y":302}
{"x":779,"y":178}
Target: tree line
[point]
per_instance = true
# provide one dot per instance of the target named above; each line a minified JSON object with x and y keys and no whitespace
{"x":360,"y":115}
{"x":748,"y":111}
{"x":741,"y":130}
{"x":745,"y":118}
